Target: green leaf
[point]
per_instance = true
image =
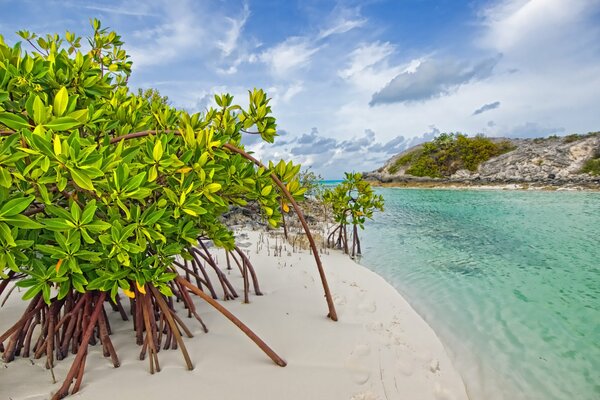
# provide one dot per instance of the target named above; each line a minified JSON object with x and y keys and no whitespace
{"x":62,"y":124}
{"x":57,"y":145}
{"x":213,"y":187}
{"x":98,"y":226}
{"x":86,"y":237}
{"x":88,"y":212}
{"x":6,"y":234}
{"x":153,"y":174}
{"x":22,"y":221}
{"x":39,"y":111}
{"x":15,"y":206}
{"x":13,"y":121}
{"x":32,"y":292}
{"x":63,"y":290}
{"x":51,"y":250}
{"x":58,"y":224}
{"x":75,"y":211}
{"x":266,"y":191}
{"x":135,"y":182}
{"x":46,"y":293}
{"x":80,"y":115}
{"x":61,"y":100}
{"x":81,"y":179}
{"x":5,"y":178}
{"x":157,"y":153}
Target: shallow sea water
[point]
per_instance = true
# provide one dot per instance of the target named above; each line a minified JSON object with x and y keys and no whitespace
{"x":509,"y":280}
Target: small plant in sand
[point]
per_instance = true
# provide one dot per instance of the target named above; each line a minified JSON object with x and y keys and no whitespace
{"x":104,"y":193}
{"x":351,"y":202}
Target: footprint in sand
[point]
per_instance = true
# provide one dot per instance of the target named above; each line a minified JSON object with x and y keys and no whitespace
{"x":434,"y":366}
{"x":339,"y":300}
{"x":441,"y":393}
{"x":356,"y":364}
{"x":375,"y":326}
{"x":405,"y":365}
{"x":365,"y":396}
{"x":368,"y":307}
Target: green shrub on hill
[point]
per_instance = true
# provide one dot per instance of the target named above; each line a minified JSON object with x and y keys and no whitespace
{"x":592,"y":166}
{"x":448,"y":153}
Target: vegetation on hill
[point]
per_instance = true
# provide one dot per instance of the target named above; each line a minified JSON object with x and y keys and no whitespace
{"x":576,"y":136}
{"x":448,"y":153}
{"x":592,"y":166}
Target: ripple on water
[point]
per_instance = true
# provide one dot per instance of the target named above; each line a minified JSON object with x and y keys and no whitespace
{"x":509,"y":281}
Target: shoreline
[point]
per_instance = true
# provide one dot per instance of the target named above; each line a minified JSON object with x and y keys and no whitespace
{"x":379,"y":349}
{"x":461,"y":185}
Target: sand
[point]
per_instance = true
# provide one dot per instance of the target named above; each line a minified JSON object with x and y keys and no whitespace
{"x":379,"y":349}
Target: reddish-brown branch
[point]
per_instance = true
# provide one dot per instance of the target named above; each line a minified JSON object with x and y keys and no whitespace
{"x":140,"y":134}
{"x":82,"y":351}
{"x":332,"y":313}
{"x":4,"y":283}
{"x":167,"y":313}
{"x":259,"y":342}
{"x":251,"y":269}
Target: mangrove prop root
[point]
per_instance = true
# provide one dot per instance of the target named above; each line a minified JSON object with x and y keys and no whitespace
{"x":258,"y":341}
{"x":251,"y":269}
{"x":197,"y":265}
{"x":82,"y":351}
{"x":167,"y":313}
{"x":332,"y":313}
{"x":222,"y":277}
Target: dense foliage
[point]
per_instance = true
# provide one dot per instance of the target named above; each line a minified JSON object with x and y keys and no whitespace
{"x":592,"y":166}
{"x":102,"y":190}
{"x":576,"y":136}
{"x":351,"y":202}
{"x":113,"y":209}
{"x":448,"y":153}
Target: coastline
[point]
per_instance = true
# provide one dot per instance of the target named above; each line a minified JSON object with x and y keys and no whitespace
{"x":379,"y":349}
{"x":474,"y":185}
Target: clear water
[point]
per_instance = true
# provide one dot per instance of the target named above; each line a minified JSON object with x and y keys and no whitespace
{"x":509,"y":280}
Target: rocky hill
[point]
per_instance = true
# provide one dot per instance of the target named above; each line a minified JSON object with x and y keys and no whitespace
{"x":572,"y":160}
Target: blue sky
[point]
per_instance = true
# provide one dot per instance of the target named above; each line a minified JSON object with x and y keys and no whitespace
{"x":354,"y":82}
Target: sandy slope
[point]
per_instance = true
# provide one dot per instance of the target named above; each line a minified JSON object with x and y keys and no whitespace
{"x":379,"y":349}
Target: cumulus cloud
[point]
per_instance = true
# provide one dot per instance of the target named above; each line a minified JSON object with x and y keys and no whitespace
{"x":546,"y":28}
{"x":486,"y":107}
{"x":331,"y":157}
{"x":432,"y":79}
{"x":313,"y":143}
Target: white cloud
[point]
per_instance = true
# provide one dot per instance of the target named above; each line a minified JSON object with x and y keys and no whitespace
{"x":138,"y":11}
{"x":290,"y":55}
{"x":344,"y":21}
{"x":539,"y":31}
{"x":179,"y":33}
{"x":365,"y":56}
{"x":431,"y":79}
{"x":232,"y":33}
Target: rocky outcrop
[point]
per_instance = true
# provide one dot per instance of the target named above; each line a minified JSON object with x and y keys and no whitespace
{"x":552,"y":161}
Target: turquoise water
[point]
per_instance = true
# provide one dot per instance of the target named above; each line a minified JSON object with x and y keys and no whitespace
{"x":509,"y":280}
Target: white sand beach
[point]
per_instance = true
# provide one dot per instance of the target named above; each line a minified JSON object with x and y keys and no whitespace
{"x":379,"y":349}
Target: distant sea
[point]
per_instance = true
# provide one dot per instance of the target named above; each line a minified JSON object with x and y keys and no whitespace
{"x":509,"y":280}
{"x":330,"y":182}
